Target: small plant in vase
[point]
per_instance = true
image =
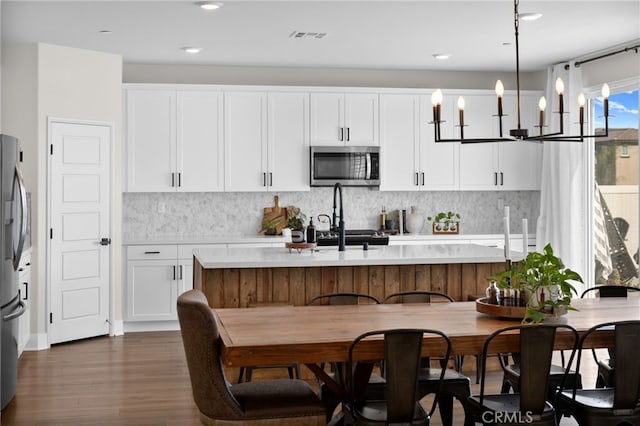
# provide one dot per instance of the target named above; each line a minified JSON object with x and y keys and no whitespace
{"x":545,"y":283}
{"x":445,"y":223}
{"x":295,"y":221}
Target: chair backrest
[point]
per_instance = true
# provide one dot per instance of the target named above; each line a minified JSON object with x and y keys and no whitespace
{"x":536,"y":349}
{"x":609,"y":290}
{"x":418,"y":296}
{"x":402,"y":349}
{"x":626,"y":361}
{"x":201,"y":341}
{"x":343,"y":299}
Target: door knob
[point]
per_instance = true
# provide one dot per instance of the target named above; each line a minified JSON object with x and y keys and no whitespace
{"x":105,"y":241}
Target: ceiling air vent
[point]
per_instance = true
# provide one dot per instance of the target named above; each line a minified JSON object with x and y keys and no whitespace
{"x":307,"y":35}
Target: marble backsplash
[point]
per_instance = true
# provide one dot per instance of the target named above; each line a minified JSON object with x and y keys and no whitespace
{"x":158,"y":215}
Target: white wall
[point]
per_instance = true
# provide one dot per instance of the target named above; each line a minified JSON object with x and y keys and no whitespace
{"x":209,"y":74}
{"x":54,"y":81}
{"x":619,"y":67}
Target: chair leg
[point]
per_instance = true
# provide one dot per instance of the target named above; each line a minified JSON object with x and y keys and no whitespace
{"x":240,"y":374}
{"x":445,"y":406}
{"x":506,"y":385}
{"x":248,"y":373}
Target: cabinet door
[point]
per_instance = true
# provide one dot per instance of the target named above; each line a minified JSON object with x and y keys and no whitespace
{"x":327,"y":119}
{"x":199,"y":132}
{"x":478,"y":161}
{"x":399,"y":142}
{"x":151,"y":141}
{"x":521,"y":162}
{"x":152,"y":290}
{"x":361,"y":119}
{"x":24,"y":286}
{"x":185,"y":276}
{"x":288,"y":141}
{"x":245,"y":141}
{"x":439,"y":162}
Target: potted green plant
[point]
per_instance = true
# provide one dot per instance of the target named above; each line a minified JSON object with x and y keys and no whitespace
{"x":445,"y":223}
{"x":295,"y":221}
{"x":544,"y":281}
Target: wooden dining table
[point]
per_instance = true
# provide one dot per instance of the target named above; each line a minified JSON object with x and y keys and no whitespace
{"x":316,"y":334}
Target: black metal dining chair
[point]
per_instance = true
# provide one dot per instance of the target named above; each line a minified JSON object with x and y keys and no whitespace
{"x":329,"y":397}
{"x":454,"y":384}
{"x":619,"y":405}
{"x":606,"y":377}
{"x":530,"y":404}
{"x":402,"y":355}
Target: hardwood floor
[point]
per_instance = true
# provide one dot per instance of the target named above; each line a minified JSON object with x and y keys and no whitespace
{"x":135,"y":379}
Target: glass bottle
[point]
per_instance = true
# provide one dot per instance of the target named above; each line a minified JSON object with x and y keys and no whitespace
{"x":311,"y":232}
{"x":493,"y":293}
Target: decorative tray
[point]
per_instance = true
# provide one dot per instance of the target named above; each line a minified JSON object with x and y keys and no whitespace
{"x":512,"y":312}
{"x":299,"y":246}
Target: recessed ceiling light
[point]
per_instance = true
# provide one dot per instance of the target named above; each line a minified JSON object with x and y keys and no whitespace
{"x":530,"y":16}
{"x":441,"y":56}
{"x":209,"y":5}
{"x":192,"y":50}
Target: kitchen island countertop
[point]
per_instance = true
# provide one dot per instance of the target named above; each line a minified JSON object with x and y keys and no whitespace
{"x":213,"y":258}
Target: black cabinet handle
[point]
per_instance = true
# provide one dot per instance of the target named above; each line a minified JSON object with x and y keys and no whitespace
{"x":105,"y":241}
{"x":180,"y":271}
{"x":179,"y":180}
{"x":173,"y":179}
{"x":270,"y":179}
{"x":174,"y":272}
{"x":417,"y":181}
{"x":151,"y":252}
{"x":348,"y":134}
{"x":495,"y":178}
{"x":501,"y":178}
{"x":26,"y":291}
{"x":264,"y":179}
{"x":422,"y":174}
{"x":342,"y":133}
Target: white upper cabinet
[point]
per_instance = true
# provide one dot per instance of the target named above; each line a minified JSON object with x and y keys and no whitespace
{"x":266,"y":141}
{"x":399,"y":142}
{"x":439,"y":161}
{"x":151,"y":140}
{"x":174,"y":141}
{"x":411,"y":160}
{"x":288,"y":141}
{"x":245,"y":141}
{"x":200,"y":162}
{"x":511,"y":165}
{"x":344,"y":119}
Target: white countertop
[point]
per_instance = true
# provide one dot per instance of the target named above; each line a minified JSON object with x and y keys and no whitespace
{"x":250,"y":239}
{"x":354,"y":256}
{"x":203,"y":239}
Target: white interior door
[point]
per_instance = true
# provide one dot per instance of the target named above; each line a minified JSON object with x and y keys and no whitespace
{"x":79,"y":261}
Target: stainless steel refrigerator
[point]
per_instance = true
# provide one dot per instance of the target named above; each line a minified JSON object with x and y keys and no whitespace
{"x":13,"y":230}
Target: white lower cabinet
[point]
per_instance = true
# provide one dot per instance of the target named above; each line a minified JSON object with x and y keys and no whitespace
{"x":156,"y":276}
{"x":24,"y":283}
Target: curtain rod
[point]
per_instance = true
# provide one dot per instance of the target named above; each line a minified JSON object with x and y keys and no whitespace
{"x":626,"y":49}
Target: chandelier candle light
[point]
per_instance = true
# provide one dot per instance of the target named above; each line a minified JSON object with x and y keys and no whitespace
{"x":519,"y":133}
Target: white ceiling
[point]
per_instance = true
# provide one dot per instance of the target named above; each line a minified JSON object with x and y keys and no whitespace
{"x":360,"y":34}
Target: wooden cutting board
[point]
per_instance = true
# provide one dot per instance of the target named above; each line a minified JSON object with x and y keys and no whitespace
{"x":276,"y":215}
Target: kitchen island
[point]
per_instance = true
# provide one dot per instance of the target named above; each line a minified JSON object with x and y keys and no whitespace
{"x":246,"y":277}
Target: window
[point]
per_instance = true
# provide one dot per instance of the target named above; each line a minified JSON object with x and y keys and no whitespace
{"x":617,"y":178}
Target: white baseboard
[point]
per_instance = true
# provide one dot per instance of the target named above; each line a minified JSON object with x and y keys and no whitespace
{"x":116,"y":328}
{"x":37,"y":342}
{"x":138,"y":326}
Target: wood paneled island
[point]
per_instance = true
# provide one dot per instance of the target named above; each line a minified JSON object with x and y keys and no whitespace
{"x":247,"y":277}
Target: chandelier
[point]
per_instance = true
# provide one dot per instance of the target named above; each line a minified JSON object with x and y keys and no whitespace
{"x":520,"y":133}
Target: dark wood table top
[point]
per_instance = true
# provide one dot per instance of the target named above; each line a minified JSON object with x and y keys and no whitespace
{"x":314,"y":334}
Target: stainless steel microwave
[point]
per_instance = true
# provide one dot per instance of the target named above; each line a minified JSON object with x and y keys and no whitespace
{"x":348,"y":165}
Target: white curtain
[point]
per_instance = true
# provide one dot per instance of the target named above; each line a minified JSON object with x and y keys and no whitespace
{"x":562,"y":196}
